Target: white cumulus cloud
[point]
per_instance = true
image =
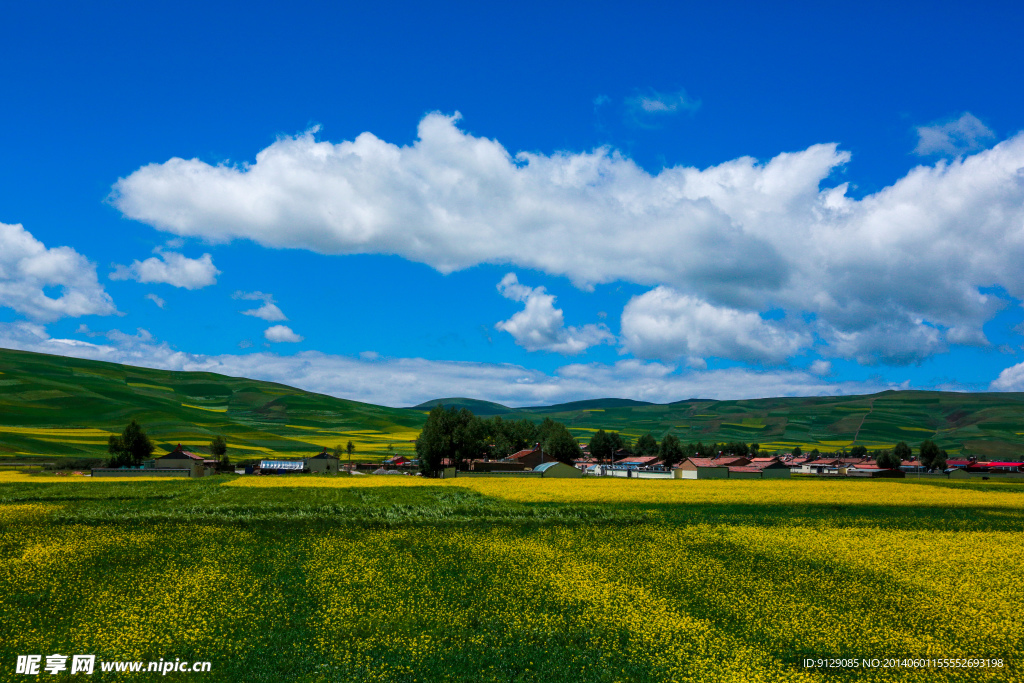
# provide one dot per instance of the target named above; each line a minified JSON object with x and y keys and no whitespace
{"x":1010,"y":379}
{"x":269,"y":311}
{"x":156,"y":300}
{"x":745,"y":235}
{"x":28,"y":269}
{"x":667,"y":324}
{"x":281,"y":333}
{"x":962,"y":136}
{"x":540,"y":326}
{"x":170,"y":268}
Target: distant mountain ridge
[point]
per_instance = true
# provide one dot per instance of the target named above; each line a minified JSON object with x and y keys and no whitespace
{"x":55,"y":406}
{"x":480,"y":407}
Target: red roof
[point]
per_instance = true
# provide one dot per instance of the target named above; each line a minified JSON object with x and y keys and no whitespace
{"x":744,"y":468}
{"x":179,"y":452}
{"x":1003,"y":464}
{"x":524,"y":453}
{"x":637,"y":460}
{"x":711,"y":462}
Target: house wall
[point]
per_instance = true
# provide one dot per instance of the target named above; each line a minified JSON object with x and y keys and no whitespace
{"x":745,"y":475}
{"x":322,"y":465}
{"x":520,"y":474}
{"x":712,"y":473}
{"x":195,"y":467}
{"x":496,"y":466}
{"x":162,"y":472}
{"x":655,"y":475}
{"x":775,"y":473}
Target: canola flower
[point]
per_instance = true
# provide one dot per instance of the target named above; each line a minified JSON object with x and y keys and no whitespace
{"x":654,"y":599}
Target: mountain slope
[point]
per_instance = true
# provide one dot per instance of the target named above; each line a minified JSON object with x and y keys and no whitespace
{"x":58,"y":406}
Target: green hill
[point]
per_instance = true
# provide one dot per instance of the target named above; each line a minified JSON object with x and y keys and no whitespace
{"x":66,"y":407}
{"x":595,"y":404}
{"x":481,"y":408}
{"x":985,"y":424}
{"x":52,"y":406}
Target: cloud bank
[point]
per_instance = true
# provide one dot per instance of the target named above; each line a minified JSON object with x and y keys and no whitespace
{"x":892,"y":277}
{"x":410,"y":381}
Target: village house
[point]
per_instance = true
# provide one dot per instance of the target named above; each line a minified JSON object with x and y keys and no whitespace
{"x":530,"y":457}
{"x":324,"y":463}
{"x":180,"y":459}
{"x":636,"y":461}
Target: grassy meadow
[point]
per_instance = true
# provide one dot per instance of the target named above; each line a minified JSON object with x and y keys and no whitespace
{"x":362,"y":578}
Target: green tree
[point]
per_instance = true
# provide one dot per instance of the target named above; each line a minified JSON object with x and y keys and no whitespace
{"x":940,"y":460}
{"x":546,"y":429}
{"x":797,"y":451}
{"x":887,"y":460}
{"x":858,"y":451}
{"x":350,"y":448}
{"x":671,"y":451}
{"x":130,"y":448}
{"x":449,"y":433}
{"x":902,"y":451}
{"x":929,"y":452}
{"x":601,"y":446}
{"x":219,"y":450}
{"x":646,"y":446}
{"x":619,"y":443}
{"x":561,"y":445}
{"x":755,"y":449}
{"x":339,"y":451}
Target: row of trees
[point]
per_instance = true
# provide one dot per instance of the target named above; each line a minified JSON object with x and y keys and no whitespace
{"x":457,"y":435}
{"x":931,"y":456}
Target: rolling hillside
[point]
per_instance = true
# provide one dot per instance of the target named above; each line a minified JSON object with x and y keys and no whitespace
{"x":985,"y":424}
{"x":52,"y":406}
{"x":56,"y":406}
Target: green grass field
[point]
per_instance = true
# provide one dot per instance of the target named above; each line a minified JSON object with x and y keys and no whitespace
{"x":329,"y":579}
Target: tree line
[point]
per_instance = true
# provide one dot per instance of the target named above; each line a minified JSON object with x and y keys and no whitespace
{"x":456,"y":435}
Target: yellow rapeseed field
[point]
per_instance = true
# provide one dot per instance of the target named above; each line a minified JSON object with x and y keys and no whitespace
{"x":301,"y":579}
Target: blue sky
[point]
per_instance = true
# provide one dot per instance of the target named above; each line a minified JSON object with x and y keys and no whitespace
{"x":526,"y":204}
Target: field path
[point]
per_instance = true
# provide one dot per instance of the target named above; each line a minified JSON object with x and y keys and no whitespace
{"x":857,"y":433}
